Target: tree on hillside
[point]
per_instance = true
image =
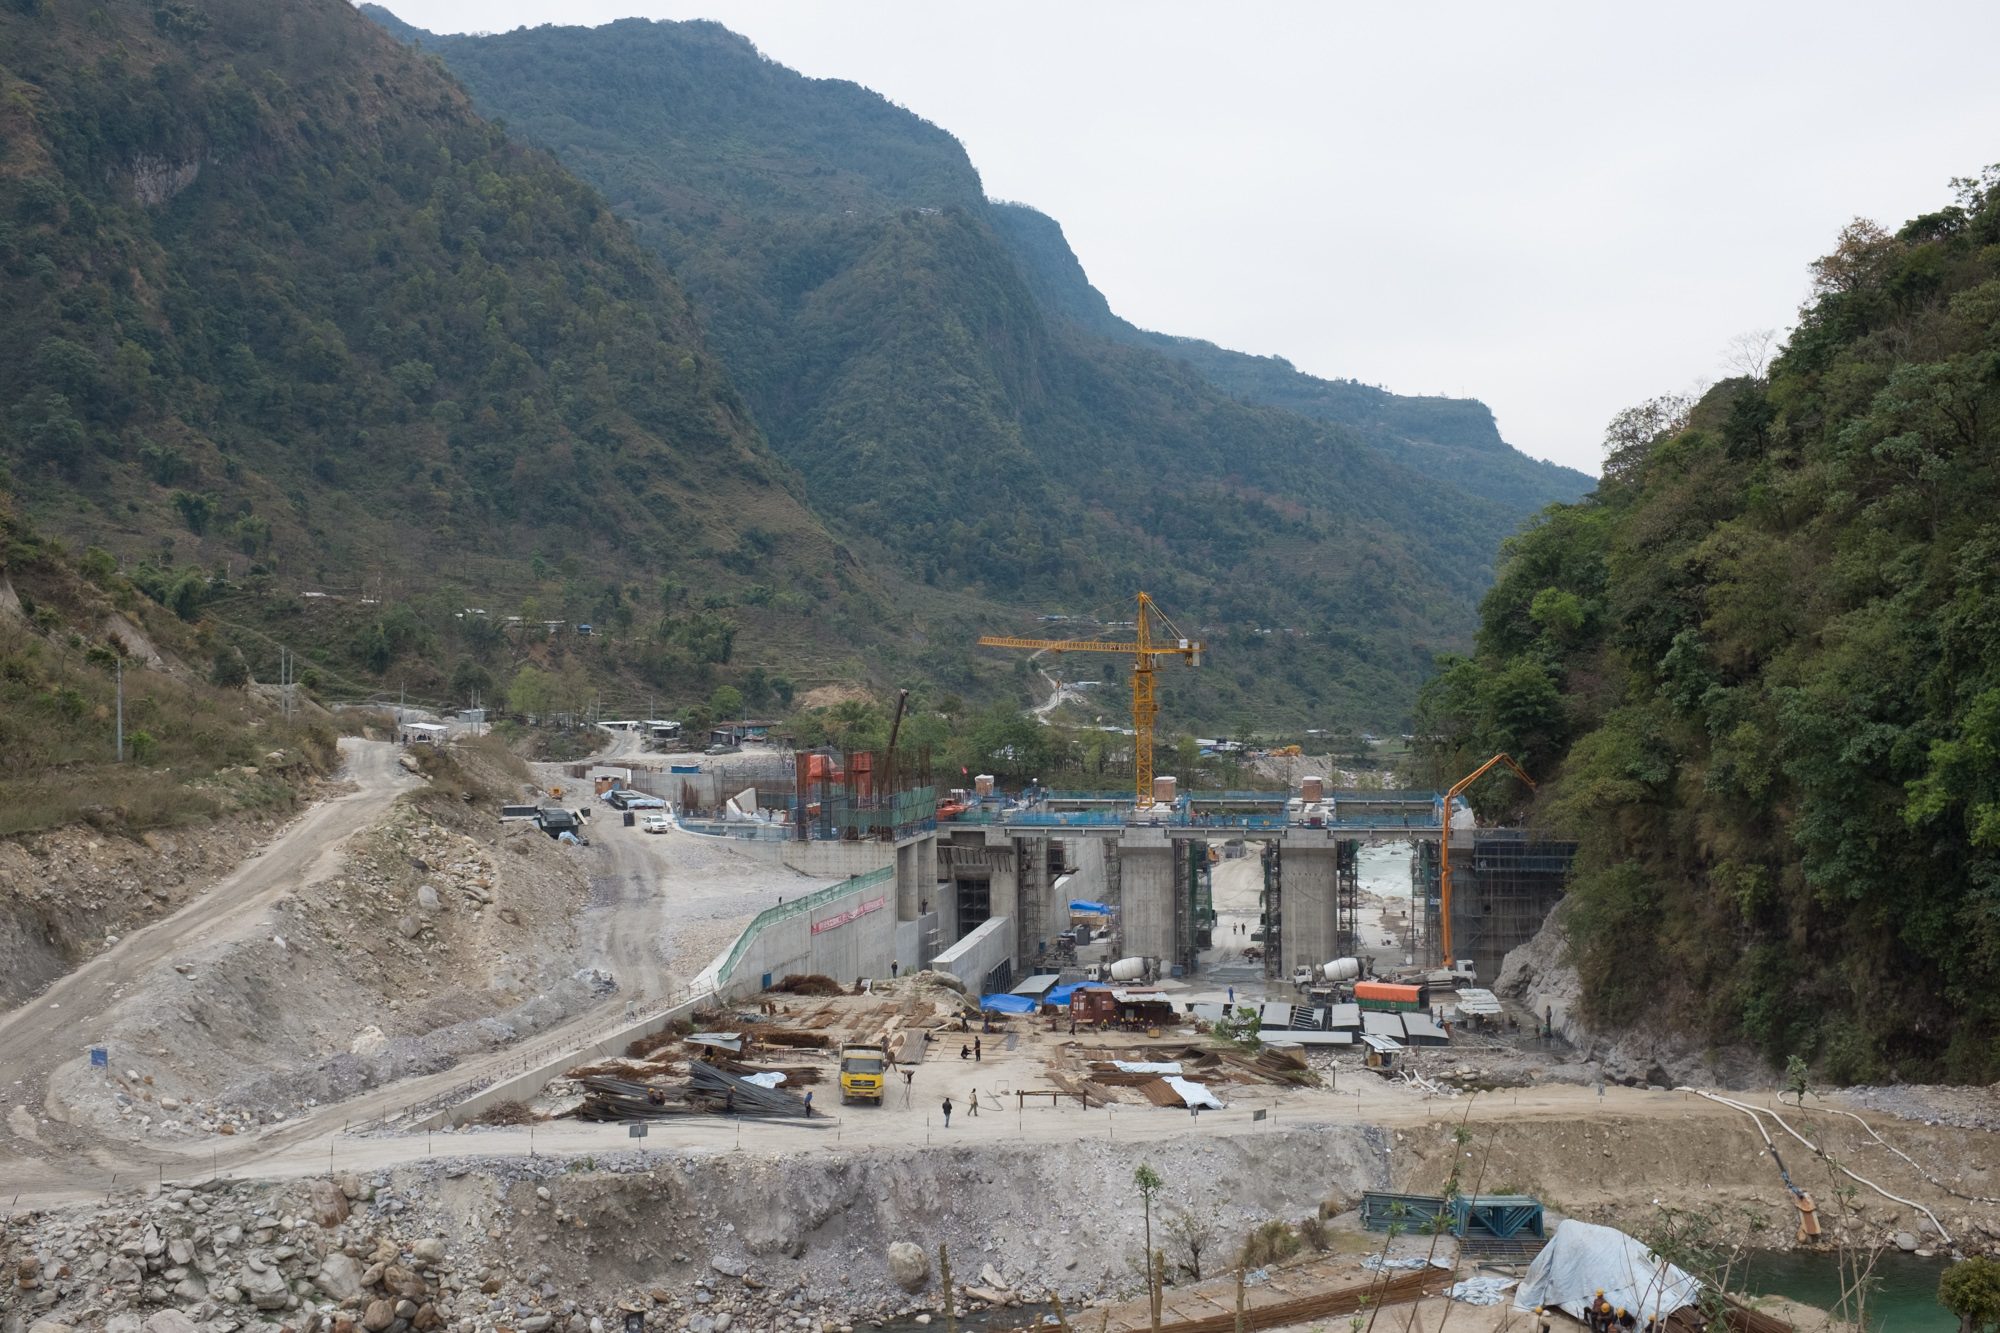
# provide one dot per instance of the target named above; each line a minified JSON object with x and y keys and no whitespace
{"x":470,"y":682}
{"x":531,"y":693}
{"x":229,"y":671}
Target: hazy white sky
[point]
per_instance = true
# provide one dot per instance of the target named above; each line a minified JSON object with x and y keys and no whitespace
{"x":1560,"y":209}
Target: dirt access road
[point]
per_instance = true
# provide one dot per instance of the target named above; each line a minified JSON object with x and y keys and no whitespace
{"x":307,"y":1149}
{"x":662,"y":905}
{"x":53,"y":1027}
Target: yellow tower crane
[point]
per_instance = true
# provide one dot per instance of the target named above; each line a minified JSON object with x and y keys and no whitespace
{"x":1149,"y":646}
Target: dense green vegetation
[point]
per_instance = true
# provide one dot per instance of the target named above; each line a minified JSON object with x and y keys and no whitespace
{"x":197,"y":744}
{"x":933,"y":383}
{"x":285,"y":315}
{"x":1761,"y":666}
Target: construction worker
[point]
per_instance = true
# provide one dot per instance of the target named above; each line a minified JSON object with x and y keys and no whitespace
{"x":972,"y":1102}
{"x":947,"y":1111}
{"x":976,"y":1051}
{"x":1541,"y":1319}
{"x":965,"y":1052}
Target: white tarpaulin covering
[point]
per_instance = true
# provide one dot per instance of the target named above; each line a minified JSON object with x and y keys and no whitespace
{"x":1195,"y":1094}
{"x":770,"y":1078}
{"x":1480,"y":1290}
{"x":1581,"y":1260}
{"x":1148,"y":1066}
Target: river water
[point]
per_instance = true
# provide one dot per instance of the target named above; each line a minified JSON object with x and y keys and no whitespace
{"x":1903,"y":1298}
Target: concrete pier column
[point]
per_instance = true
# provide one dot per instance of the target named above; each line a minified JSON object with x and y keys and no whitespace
{"x":1312,"y":925}
{"x":1146,"y":890}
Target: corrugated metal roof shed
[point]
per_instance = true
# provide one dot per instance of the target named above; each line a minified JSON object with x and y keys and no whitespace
{"x":1423,"y":1028}
{"x":1376,"y":1043}
{"x":1295,"y":1037}
{"x":1383,"y":1025}
{"x":1344,"y":1016}
{"x":1037,"y":986}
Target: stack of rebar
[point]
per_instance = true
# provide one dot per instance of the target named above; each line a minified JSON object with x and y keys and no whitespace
{"x":606,"y":1097}
{"x":710,"y":1089}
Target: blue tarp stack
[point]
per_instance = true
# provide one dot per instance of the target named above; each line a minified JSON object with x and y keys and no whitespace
{"x":1081,"y":907}
{"x":1059,"y":997}
{"x":1007,"y":1004}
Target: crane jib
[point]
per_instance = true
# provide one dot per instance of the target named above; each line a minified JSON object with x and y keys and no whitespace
{"x":1143,"y":650}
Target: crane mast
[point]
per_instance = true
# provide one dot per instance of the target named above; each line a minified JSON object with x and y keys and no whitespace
{"x":1145,"y":651}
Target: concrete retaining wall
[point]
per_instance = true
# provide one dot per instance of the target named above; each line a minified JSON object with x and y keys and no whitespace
{"x":975,"y":956}
{"x":843,"y":932}
{"x":913,"y":939}
{"x":827,"y":859}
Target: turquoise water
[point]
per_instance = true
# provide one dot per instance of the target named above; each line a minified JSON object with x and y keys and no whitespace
{"x":1903,"y":1298}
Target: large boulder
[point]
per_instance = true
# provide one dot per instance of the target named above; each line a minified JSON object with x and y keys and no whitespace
{"x":909,"y":1265}
{"x":429,"y":1251}
{"x":265,"y":1288}
{"x":339,"y":1277}
{"x":379,"y":1315}
{"x":329,"y":1204}
{"x":169,"y":1321}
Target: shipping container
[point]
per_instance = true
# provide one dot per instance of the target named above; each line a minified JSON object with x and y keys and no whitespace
{"x":1384,"y":997}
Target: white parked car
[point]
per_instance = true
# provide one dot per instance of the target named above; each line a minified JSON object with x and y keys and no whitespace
{"x":653,"y":821}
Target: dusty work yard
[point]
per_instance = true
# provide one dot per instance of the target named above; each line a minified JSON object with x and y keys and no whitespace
{"x":229,"y":1167}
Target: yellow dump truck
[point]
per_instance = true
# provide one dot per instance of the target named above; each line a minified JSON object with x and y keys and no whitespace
{"x":863,"y":1072}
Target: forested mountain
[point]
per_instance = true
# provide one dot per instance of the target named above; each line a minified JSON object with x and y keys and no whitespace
{"x":1451,"y":439}
{"x":946,"y":404}
{"x":283,"y":311}
{"x":1762,"y":667}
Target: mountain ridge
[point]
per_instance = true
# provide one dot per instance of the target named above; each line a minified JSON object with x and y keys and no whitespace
{"x":893,"y":345}
{"x":288,"y":315}
{"x":1433,"y":433}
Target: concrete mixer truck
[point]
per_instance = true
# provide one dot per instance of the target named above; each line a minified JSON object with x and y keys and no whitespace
{"x":1326,"y":983}
{"x":1125,"y":970}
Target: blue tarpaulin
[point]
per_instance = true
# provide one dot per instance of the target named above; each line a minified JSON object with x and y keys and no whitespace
{"x":1059,"y":997}
{"x":1080,"y":907}
{"x":1007,"y":1004}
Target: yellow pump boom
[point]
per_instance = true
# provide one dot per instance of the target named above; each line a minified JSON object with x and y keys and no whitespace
{"x":1444,"y":842}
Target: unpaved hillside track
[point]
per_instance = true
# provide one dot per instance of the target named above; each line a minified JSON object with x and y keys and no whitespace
{"x":58,"y":1025}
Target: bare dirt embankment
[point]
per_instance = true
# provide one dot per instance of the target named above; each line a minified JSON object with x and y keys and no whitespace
{"x":436,"y":933}
{"x":800,"y":1237}
{"x":1621,"y":1168}
{"x":68,"y":894}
